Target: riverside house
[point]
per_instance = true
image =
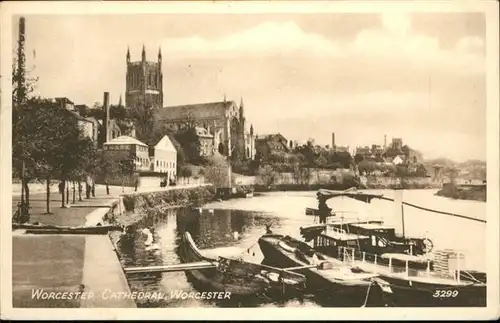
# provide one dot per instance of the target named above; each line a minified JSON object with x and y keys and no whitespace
{"x":128,"y":148}
{"x":163,"y":157}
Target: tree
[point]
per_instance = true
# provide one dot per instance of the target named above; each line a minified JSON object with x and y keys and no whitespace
{"x":145,"y":119}
{"x":23,"y":86}
{"x":268,"y":175}
{"x":217,"y":171}
{"x":125,"y":170}
{"x":186,"y":172}
{"x":48,"y":140}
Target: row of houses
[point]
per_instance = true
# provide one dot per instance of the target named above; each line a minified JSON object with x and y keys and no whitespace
{"x":161,"y":158}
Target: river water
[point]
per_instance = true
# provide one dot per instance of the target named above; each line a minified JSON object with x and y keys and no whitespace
{"x":232,"y":228}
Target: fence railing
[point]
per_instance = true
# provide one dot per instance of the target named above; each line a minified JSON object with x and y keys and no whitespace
{"x":392,"y":265}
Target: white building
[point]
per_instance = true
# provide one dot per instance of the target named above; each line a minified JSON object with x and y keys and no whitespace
{"x":164,"y":158}
{"x":398,"y":160}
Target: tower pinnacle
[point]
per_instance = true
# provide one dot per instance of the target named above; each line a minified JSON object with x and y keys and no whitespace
{"x":143,"y":52}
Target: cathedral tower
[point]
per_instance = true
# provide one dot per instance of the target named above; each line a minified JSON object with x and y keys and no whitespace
{"x":144,"y":82}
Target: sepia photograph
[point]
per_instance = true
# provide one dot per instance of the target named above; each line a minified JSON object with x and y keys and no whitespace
{"x":273,"y":157}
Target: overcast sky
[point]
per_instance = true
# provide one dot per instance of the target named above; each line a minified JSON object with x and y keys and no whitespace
{"x":420,"y":77}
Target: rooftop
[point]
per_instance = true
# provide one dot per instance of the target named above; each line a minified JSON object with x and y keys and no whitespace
{"x":165,"y":144}
{"x":125,"y":140}
{"x":205,"y":109}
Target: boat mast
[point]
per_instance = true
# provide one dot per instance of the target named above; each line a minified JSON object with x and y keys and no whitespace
{"x":398,"y":200}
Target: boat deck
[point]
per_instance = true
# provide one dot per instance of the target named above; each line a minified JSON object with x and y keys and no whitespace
{"x":372,"y":226}
{"x":340,"y":271}
{"x":422,"y":277}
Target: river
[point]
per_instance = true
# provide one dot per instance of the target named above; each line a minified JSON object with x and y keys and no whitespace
{"x":232,"y":228}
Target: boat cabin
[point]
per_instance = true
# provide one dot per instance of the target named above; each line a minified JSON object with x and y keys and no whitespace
{"x":383,"y":238}
{"x":373,"y":243}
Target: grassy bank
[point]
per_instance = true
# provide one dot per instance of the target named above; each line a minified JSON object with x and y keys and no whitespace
{"x":176,"y":197}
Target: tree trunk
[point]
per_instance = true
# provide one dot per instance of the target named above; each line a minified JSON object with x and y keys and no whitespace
{"x":27,"y":193}
{"x":48,"y":195}
{"x":79,"y":191}
{"x":67,"y":191}
{"x":63,"y":193}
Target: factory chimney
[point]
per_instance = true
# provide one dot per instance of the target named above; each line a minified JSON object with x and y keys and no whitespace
{"x":106,"y":116}
{"x":333,"y":142}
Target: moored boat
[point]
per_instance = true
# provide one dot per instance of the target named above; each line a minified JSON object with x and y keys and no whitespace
{"x":235,"y":276}
{"x":417,"y":277}
{"x":326,"y":277}
{"x":416,"y":280}
{"x":43,"y":229}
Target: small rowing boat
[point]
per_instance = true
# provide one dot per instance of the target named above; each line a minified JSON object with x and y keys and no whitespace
{"x":236,"y":276}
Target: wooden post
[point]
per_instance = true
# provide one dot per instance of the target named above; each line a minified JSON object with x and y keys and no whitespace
{"x":353,"y":254}
{"x":428,"y":268}
{"x":364,"y":256}
{"x":407,"y":273}
{"x":390,"y":264}
{"x":375,"y":259}
{"x":458,"y":267}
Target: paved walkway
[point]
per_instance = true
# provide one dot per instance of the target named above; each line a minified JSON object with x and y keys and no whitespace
{"x":76,"y":214}
{"x":69,"y":263}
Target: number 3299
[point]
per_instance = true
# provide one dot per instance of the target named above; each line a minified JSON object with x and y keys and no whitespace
{"x":447,"y":293}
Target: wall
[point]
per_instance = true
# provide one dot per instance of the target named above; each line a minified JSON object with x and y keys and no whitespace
{"x":136,"y":205}
{"x":165,"y":162}
{"x":141,"y":154}
{"x":316,"y":176}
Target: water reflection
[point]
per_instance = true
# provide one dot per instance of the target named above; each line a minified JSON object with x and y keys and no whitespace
{"x":214,"y":233}
{"x":217,"y":232}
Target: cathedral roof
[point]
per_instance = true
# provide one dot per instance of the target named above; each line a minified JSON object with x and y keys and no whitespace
{"x":208,"y":109}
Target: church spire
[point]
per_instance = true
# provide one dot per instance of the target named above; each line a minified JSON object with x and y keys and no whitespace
{"x":251,"y":130}
{"x":242,"y":111}
{"x":120,"y":101}
{"x":128,"y":54}
{"x":159,"y":55}
{"x":143,"y":52}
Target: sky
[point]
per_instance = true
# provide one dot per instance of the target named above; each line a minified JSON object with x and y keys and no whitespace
{"x":420,"y":76}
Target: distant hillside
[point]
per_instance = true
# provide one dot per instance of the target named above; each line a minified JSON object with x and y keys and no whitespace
{"x":470,"y":169}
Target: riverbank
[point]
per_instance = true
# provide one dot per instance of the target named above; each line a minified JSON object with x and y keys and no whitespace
{"x":407,"y":185}
{"x":135,"y":205}
{"x":463,"y":192}
{"x":68,"y":271}
{"x":82,"y":271}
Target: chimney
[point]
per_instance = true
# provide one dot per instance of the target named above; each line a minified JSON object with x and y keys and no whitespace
{"x":106,"y":116}
{"x":333,"y":141}
{"x":385,"y":141}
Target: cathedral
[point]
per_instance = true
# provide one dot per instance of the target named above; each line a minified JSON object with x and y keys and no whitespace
{"x":224,"y":120}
